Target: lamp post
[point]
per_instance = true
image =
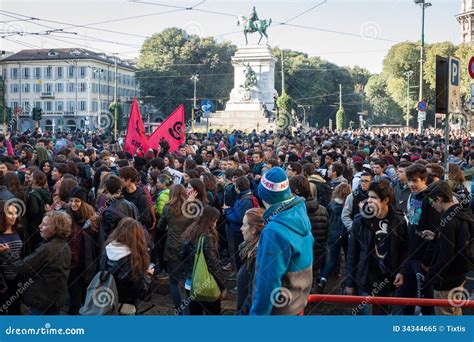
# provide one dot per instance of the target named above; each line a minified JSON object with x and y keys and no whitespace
{"x":423,"y":4}
{"x":194,"y":78}
{"x":408,"y":74}
{"x":99,"y":72}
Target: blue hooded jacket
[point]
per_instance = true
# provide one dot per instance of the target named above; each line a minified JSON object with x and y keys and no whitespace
{"x":284,"y":275}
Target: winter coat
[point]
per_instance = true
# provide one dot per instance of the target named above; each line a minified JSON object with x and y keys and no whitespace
{"x":36,"y":200}
{"x":161,"y":199}
{"x":449,"y":266}
{"x":402,"y":193}
{"x":47,"y":271}
{"x":284,"y":258}
{"x":319,"y":219}
{"x":235,"y":214}
{"x":118,"y":262}
{"x":364,"y":268}
{"x":118,"y":209}
{"x":175,"y":225}
{"x":5,"y":195}
{"x":139,"y":198}
{"x":336,"y":227}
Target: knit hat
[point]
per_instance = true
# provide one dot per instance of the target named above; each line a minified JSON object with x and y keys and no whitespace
{"x":79,"y":192}
{"x":274,"y":186}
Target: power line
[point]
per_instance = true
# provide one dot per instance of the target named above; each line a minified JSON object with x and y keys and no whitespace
{"x":304,"y":12}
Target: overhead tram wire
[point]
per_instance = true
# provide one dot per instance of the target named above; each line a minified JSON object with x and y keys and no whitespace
{"x":305,"y":11}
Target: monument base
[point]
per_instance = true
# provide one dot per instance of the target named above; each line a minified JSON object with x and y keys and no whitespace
{"x":240,"y":120}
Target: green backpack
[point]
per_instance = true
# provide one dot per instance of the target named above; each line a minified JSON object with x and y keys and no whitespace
{"x":203,"y":287}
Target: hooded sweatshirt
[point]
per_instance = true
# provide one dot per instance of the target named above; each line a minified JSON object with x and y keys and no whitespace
{"x":284,"y":260}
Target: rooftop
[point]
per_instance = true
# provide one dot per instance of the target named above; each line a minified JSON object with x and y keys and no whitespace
{"x":65,"y":54}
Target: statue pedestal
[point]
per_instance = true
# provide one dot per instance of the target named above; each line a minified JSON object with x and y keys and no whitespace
{"x":245,"y":108}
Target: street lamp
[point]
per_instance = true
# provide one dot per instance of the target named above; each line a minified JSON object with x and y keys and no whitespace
{"x":423,"y":4}
{"x":194,"y":78}
{"x":408,"y":74}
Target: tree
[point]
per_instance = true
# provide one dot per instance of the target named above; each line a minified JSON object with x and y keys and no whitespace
{"x":340,"y":118}
{"x":167,"y":61}
{"x":464,"y":52}
{"x":383,"y":108}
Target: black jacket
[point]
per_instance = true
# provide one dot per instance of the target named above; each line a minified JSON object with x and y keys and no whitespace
{"x":175,"y":226}
{"x":117,"y":210}
{"x":141,"y":202}
{"x":319,"y":218}
{"x":36,"y":200}
{"x":245,"y":282}
{"x":47,"y":271}
{"x":402,"y":193}
{"x":362,"y":268}
{"x":128,"y":288}
{"x":449,"y":266}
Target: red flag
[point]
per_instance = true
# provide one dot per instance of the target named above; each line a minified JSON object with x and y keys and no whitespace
{"x":136,"y":136}
{"x":172,"y":130}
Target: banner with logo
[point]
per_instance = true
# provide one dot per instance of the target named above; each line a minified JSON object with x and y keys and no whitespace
{"x":136,"y":137}
{"x":172,"y":130}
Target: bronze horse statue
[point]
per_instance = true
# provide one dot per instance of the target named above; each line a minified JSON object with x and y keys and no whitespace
{"x":251,"y":26}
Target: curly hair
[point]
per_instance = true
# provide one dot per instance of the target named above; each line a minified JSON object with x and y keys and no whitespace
{"x":61,"y":223}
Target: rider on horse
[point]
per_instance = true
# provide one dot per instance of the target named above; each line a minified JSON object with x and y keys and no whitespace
{"x":253,"y":17}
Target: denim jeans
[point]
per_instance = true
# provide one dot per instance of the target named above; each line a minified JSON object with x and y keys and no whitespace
{"x":175,"y":270}
{"x":334,"y":256}
{"x":234,"y":239}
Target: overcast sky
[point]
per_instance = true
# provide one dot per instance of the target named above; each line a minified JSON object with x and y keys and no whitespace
{"x":345,"y":32}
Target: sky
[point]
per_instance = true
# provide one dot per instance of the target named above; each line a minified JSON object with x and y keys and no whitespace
{"x":344,"y":32}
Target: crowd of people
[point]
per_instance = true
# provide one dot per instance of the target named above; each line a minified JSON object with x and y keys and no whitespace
{"x":281,"y":213}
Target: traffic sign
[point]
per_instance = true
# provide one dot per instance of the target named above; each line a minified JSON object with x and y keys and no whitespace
{"x":471,"y":67}
{"x":422,"y":105}
{"x":454,"y":96}
{"x":421,"y":116}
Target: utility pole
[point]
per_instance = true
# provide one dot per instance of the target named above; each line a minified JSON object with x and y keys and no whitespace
{"x":282,"y":73}
{"x":194,"y":78}
{"x":340,"y":95}
{"x":423,"y":5}
{"x":408,"y":74}
{"x":115,"y":101}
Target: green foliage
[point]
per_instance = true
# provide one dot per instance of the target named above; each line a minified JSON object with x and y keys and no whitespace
{"x":285,"y":103}
{"x":383,"y":109}
{"x":340,"y":119}
{"x":168,"y":60}
{"x":464,"y":53}
{"x":119,"y":115}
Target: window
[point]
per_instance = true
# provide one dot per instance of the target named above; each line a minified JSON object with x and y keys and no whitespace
{"x":48,"y":106}
{"x":70,"y":106}
{"x":26,"y":106}
{"x":38,"y":87}
{"x":48,"y":87}
{"x":70,"y":87}
{"x":94,"y":106}
{"x":59,"y":106}
{"x":82,"y":105}
{"x":25,"y":87}
{"x":38,"y":104}
{"x":104,"y":105}
{"x":70,"y":71}
{"x":82,"y":72}
{"x":14,"y":73}
{"x":15,"y":104}
{"x":94,"y":88}
{"x":59,"y":87}
{"x":38,"y":73}
{"x":14,"y":88}
{"x":59,"y":72}
{"x":26,"y":73}
{"x":48,"y":72}
{"x":82,"y":87}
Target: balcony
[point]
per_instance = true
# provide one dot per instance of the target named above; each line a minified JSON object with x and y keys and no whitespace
{"x":47,"y":95}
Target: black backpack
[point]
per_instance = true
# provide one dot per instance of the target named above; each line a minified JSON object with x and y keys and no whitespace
{"x":323,"y":193}
{"x":466,"y":246}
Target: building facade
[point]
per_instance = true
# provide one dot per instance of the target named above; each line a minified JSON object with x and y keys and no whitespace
{"x":73,"y":87}
{"x":466,"y":20}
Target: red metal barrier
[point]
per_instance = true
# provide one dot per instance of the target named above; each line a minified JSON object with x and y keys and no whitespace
{"x":322,"y":298}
